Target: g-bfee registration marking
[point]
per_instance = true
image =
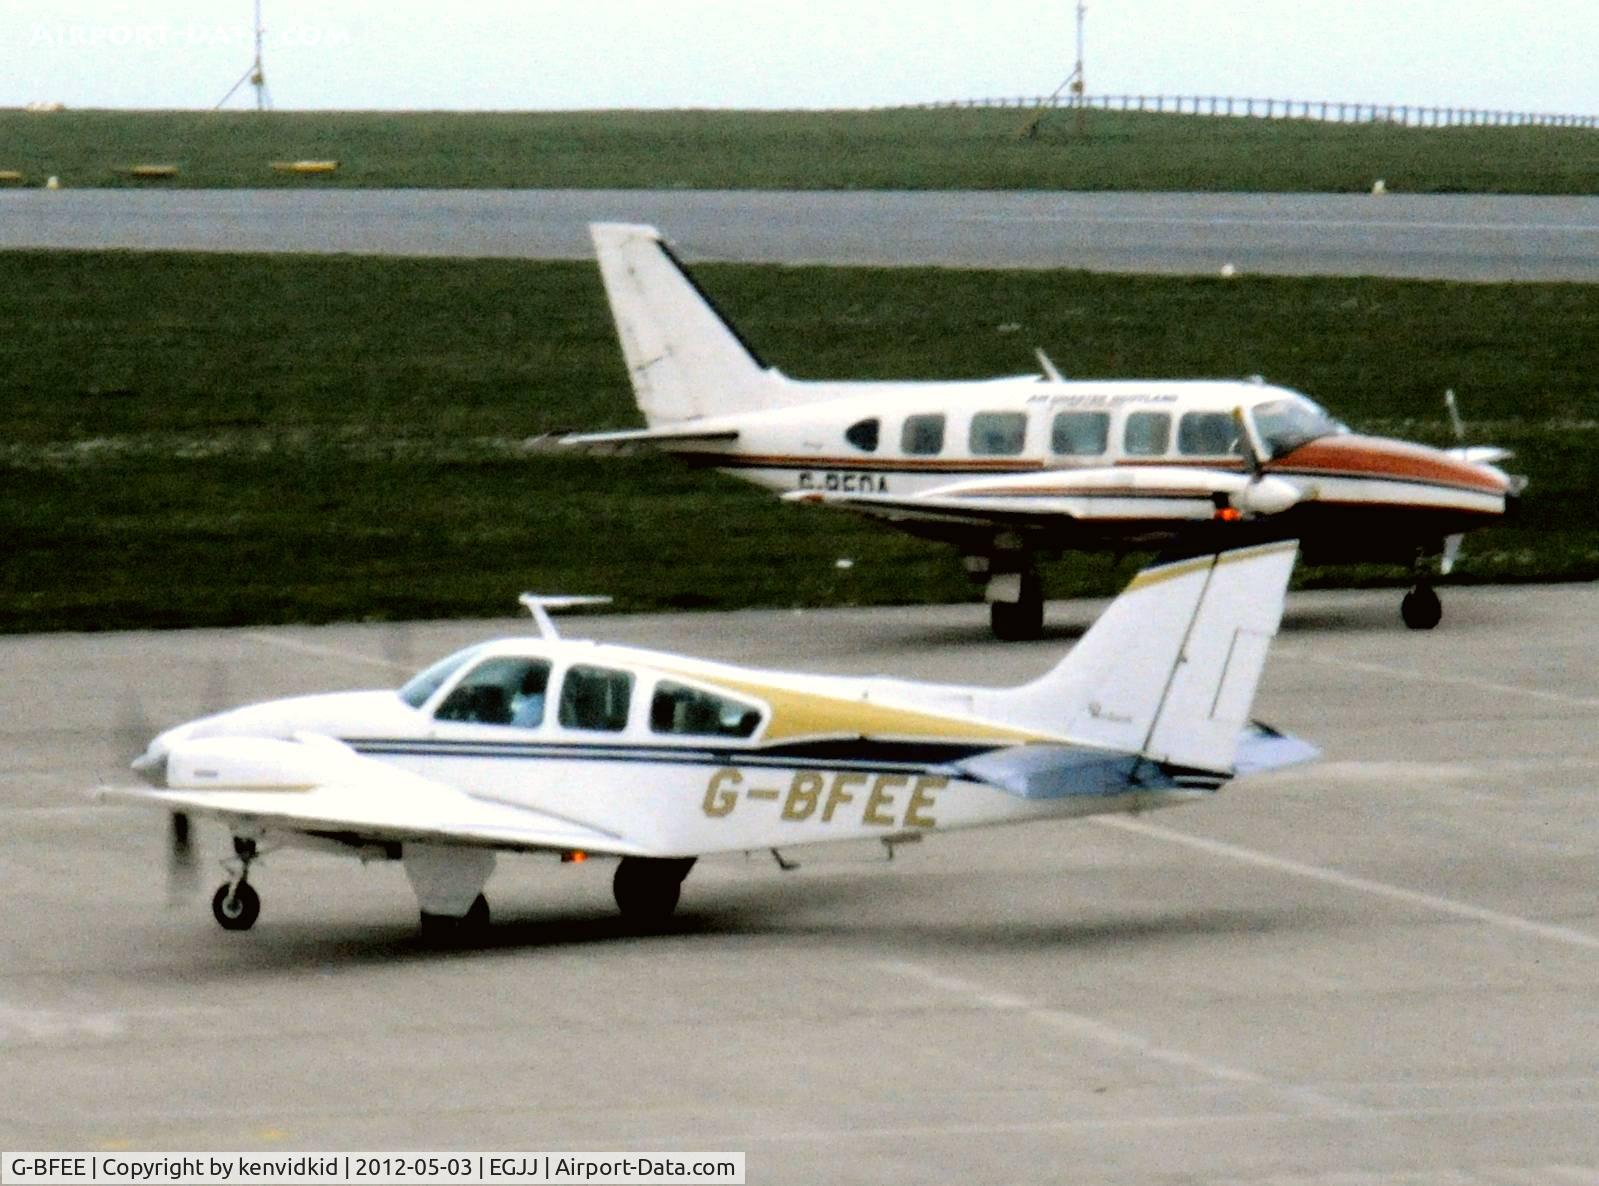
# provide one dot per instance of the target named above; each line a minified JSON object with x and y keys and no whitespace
{"x":883,"y":800}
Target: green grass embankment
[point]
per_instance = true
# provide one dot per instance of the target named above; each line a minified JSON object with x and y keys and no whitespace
{"x":807,"y":150}
{"x":210,"y":439}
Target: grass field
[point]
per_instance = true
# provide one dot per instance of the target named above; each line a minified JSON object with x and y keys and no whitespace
{"x":898,"y":149}
{"x":203,"y":439}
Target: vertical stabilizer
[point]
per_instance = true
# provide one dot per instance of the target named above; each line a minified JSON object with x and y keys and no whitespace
{"x":1169,"y":670}
{"x":685,"y":360}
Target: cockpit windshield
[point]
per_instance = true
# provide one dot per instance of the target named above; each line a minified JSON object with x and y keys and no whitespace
{"x":1284,"y":424}
{"x":423,"y":684}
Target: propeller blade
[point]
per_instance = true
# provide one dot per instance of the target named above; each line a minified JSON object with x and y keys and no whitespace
{"x":1451,"y":553}
{"x":183,"y":874}
{"x":216,"y":697}
{"x":399,"y":648}
{"x":1246,"y":445}
{"x":1454,"y":416}
{"x":134,"y":730}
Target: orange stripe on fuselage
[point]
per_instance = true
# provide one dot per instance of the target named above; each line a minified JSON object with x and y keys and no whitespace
{"x":1375,"y":457}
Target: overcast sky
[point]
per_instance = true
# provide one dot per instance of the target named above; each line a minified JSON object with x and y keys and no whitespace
{"x":546,"y":54}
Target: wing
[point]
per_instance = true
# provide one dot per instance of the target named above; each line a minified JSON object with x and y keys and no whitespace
{"x":1111,"y":494}
{"x":935,"y":508}
{"x":317,"y":786}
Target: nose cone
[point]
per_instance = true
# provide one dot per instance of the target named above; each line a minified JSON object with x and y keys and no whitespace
{"x":1354,"y":456}
{"x":1267,"y":496}
{"x":152,"y":765}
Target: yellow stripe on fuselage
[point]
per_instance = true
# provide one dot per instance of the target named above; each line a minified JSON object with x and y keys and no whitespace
{"x":1180,"y":568}
{"x":796,"y":714}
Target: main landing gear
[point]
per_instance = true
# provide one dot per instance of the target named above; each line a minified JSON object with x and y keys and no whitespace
{"x":647,"y":888}
{"x":446,"y":928}
{"x":1420,"y":608}
{"x":236,"y":905}
{"x":1014,"y":592}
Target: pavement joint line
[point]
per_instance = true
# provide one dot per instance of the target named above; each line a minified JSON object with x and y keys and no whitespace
{"x":311,"y":648}
{"x":1464,"y":681}
{"x":1509,"y":922}
{"x":1081,"y":1026}
{"x":1240,"y":220}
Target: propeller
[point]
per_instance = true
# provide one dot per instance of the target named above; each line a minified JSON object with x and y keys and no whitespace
{"x":1264,"y":494}
{"x":183,"y":870}
{"x":1476,"y":454}
{"x":135,"y":731}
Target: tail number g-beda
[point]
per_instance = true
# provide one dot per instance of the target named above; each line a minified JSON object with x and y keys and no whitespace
{"x":881,"y":800}
{"x":836,"y":483}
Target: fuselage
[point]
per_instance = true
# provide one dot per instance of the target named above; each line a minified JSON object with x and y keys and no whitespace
{"x":681,"y":755}
{"x":1360,"y":497}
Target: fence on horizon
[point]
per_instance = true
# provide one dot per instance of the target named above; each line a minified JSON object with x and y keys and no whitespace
{"x":1409,"y":115}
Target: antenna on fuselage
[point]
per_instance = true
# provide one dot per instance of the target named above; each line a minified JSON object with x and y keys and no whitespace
{"x":539,"y":606}
{"x":1051,"y":371}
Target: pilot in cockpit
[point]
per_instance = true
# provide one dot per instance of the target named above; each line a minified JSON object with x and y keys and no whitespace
{"x":527,"y":702}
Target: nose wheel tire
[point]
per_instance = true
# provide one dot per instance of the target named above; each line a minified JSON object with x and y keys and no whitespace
{"x":1421,"y":608}
{"x":236,"y":906}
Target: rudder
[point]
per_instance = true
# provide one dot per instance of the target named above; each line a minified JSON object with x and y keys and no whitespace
{"x":1169,"y":670}
{"x":685,"y":360}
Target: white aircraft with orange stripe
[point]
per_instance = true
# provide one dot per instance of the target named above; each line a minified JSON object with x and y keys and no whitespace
{"x":576,"y":749}
{"x":1011,"y":469}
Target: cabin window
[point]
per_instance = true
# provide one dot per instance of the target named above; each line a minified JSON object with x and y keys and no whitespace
{"x":1207,"y":434}
{"x":596,"y":698}
{"x":677,"y":708}
{"x":1147,"y":434}
{"x":1080,"y":434}
{"x":863,"y":435}
{"x":998,"y":434}
{"x":923,"y":435}
{"x":502,"y":691}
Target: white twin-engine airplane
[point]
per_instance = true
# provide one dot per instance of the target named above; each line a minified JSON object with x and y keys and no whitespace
{"x":556,"y":746}
{"x":1013,"y":468}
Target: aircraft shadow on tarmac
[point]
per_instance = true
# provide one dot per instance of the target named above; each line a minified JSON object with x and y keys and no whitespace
{"x":774,"y":909}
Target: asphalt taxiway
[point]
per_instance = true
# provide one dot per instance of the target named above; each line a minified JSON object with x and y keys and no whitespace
{"x":1380,"y":968}
{"x":1437,"y":236}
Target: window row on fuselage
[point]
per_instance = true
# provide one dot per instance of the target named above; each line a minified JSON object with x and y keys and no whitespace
{"x":1072,"y":433}
{"x":511,"y":691}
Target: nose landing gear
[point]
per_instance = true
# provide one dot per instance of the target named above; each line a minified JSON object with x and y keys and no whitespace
{"x":1420,"y":608}
{"x":236,"y":905}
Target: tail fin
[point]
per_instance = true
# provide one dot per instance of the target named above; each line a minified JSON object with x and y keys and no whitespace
{"x":1170,"y":668}
{"x":683,"y":357}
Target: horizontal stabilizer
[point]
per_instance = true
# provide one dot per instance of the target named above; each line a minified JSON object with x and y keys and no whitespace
{"x":653,"y":436}
{"x":1054,"y":771}
{"x":1262,"y":748}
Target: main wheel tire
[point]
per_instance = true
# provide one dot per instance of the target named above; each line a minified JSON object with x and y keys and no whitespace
{"x":1023,"y":619}
{"x":1421,"y":608}
{"x":647,"y":889}
{"x":447,"y":929}
{"x":236,"y":907}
